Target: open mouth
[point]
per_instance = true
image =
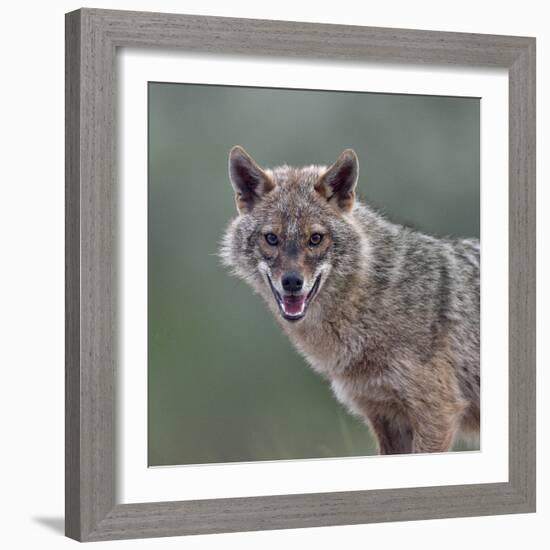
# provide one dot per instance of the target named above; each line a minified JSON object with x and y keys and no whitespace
{"x":293,"y":306}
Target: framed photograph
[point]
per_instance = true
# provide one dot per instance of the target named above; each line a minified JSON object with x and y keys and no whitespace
{"x":300,"y":274}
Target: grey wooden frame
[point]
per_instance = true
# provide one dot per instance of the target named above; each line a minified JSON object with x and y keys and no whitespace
{"x":92,"y":39}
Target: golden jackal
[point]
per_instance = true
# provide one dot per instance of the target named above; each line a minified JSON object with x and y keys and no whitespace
{"x":388,"y":315}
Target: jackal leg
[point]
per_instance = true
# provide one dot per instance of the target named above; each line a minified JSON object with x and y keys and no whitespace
{"x":434,"y":442}
{"x":435,"y":429}
{"x":436,"y":406}
{"x":394,"y":436}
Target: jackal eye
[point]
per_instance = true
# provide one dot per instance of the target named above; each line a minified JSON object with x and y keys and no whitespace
{"x":271,"y":239}
{"x":315,"y":239}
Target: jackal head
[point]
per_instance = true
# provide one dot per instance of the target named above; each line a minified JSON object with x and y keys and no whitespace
{"x":294,"y":240}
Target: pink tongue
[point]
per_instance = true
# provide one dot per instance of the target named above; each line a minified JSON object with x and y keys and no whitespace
{"x":293,"y":305}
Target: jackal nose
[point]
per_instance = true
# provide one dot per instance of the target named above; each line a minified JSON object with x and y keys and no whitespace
{"x":292,"y":281}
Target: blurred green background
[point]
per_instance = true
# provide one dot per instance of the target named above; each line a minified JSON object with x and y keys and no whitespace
{"x":224,"y":384}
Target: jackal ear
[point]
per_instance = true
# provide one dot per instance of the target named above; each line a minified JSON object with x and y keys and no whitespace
{"x":338,"y":183}
{"x":249,"y":181}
